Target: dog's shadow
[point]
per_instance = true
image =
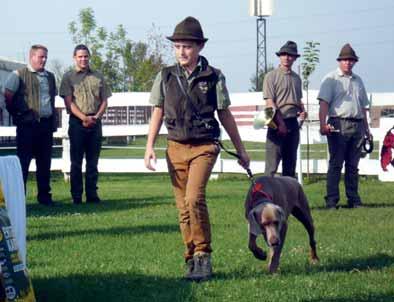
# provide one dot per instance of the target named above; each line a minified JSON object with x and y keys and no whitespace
{"x":374,"y":262}
{"x":362,"y":264}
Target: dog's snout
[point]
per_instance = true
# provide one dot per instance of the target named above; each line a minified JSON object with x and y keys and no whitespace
{"x":274,"y":241}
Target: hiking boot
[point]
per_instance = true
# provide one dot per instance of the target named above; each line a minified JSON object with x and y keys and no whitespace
{"x":189,"y":269}
{"x":202,"y":270}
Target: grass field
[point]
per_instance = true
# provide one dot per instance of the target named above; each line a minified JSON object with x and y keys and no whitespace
{"x":129,"y":247}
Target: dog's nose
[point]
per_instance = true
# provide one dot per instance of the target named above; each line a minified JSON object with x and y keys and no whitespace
{"x":274,"y":241}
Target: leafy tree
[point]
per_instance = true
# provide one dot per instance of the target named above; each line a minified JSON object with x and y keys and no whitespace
{"x":261,"y":80}
{"x":126,"y":65}
{"x":310,"y":61}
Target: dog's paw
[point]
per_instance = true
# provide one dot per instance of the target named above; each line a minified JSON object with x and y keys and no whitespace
{"x":260,"y":254}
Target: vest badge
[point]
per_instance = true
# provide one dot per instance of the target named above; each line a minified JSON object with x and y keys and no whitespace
{"x":203,"y":86}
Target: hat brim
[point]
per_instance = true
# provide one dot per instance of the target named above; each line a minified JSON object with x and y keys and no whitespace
{"x":175,"y":37}
{"x":347,"y":58}
{"x":279,"y":53}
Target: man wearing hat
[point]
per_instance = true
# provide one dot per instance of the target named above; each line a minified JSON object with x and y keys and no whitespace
{"x":344,"y":101}
{"x":282,"y":91}
{"x":186,"y":96}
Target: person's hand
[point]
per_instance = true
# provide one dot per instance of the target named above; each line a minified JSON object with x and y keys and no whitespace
{"x":368,"y":134}
{"x":149,"y":158}
{"x":244,"y":159}
{"x":303,"y":116}
{"x":89,"y":121}
{"x":282,"y":129}
{"x":326,"y":129}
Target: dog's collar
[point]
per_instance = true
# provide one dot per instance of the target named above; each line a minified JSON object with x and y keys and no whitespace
{"x":259,"y":194}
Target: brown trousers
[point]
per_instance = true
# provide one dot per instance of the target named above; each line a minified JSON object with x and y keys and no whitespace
{"x":190,"y":166}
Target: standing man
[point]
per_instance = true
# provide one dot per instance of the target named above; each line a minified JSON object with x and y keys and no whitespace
{"x":282,"y":90}
{"x":30,"y":98}
{"x":344,"y":101}
{"x":85,"y":94}
{"x":186,"y":96}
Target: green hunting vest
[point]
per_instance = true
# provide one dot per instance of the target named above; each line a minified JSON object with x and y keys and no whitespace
{"x":184,"y":121}
{"x":26,"y":103}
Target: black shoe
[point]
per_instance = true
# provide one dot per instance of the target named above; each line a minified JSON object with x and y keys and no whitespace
{"x":46,"y":202}
{"x":94,"y":199}
{"x":330,"y":206}
{"x":354,"y":204}
{"x":77,"y":200}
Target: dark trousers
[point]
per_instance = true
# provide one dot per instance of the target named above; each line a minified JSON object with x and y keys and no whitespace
{"x":344,"y":147}
{"x":34,"y":140}
{"x":84,"y":142}
{"x":282,"y":148}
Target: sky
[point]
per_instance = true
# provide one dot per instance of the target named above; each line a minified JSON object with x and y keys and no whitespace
{"x":367,"y":25}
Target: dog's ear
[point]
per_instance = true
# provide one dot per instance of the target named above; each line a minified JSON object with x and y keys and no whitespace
{"x":281,"y":214}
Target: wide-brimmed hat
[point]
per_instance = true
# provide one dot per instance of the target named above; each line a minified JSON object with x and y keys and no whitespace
{"x":347,"y":52}
{"x":289,"y":48}
{"x":188,"y":29}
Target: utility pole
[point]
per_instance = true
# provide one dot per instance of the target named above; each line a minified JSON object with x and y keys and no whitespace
{"x":261,"y":9}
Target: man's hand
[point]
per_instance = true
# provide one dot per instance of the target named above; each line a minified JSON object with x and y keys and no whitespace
{"x":303,"y":116}
{"x":149,"y":158}
{"x":326,"y":129}
{"x":89,"y":121}
{"x":244,"y":159}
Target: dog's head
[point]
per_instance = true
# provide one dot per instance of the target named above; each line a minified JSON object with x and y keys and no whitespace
{"x":271,"y":220}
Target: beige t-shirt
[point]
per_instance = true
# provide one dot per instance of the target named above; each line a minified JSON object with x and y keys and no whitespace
{"x":285,"y":90}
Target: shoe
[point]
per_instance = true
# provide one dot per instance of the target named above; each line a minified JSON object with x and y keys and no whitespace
{"x":189,"y":269}
{"x":202,"y":270}
{"x":354,"y":204}
{"x":46,"y":202}
{"x":330,"y":206}
{"x":94,"y":199}
{"x":77,"y":200}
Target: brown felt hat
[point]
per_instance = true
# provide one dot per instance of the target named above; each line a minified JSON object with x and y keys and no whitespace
{"x":289,"y":48}
{"x":347,"y":52}
{"x":188,"y":29}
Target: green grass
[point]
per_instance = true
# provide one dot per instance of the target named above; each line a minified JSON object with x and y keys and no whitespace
{"x":129,"y":247}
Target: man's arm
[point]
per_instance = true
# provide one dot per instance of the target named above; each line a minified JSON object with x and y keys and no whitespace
{"x":87,"y":121}
{"x":228,"y":122}
{"x":365,"y":120}
{"x":278,"y":118}
{"x":8,"y":95}
{"x":325,"y":129}
{"x":154,"y":128}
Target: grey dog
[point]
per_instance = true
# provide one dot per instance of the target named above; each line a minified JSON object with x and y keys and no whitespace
{"x":269,"y":203}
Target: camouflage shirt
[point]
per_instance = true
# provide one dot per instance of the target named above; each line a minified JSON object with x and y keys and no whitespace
{"x":87,"y":88}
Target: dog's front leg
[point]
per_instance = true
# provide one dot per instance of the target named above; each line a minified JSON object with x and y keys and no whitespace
{"x":275,"y":251}
{"x":257,"y":252}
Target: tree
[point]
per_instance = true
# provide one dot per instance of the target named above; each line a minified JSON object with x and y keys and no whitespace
{"x":125,"y":64}
{"x":261,"y":80}
{"x":310,"y":61}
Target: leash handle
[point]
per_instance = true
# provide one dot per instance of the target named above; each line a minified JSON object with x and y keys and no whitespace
{"x":248,"y":171}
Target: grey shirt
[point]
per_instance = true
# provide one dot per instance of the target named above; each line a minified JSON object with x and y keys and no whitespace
{"x":222,"y":95}
{"x":345,"y":95}
{"x":12,"y":84}
{"x":285,"y":90}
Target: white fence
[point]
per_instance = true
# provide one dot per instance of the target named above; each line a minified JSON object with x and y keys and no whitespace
{"x":367,"y":166}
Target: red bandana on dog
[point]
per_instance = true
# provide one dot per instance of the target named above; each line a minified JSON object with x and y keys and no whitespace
{"x":257,"y":191}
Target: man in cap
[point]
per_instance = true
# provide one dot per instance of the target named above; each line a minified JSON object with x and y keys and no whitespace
{"x":186,"y":96}
{"x":282,"y":91}
{"x":344,"y":101}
